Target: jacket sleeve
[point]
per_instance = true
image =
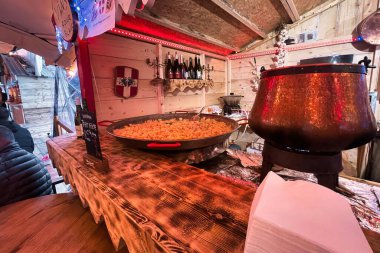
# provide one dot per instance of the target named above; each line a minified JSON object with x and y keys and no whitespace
{"x":22,"y":176}
{"x":31,"y":142}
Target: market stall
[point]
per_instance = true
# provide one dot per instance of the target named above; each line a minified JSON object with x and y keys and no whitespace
{"x":170,"y":88}
{"x":150,"y":199}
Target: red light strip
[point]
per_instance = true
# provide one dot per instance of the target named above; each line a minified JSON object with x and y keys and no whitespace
{"x":137,"y":36}
{"x":296,"y":48}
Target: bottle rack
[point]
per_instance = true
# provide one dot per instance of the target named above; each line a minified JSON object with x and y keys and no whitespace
{"x":171,"y":85}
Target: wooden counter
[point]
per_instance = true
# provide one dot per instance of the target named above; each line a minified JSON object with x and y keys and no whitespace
{"x":153,"y":204}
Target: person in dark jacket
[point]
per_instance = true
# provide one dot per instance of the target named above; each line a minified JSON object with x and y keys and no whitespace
{"x":3,"y":99}
{"x":22,"y":174}
{"x":22,"y":135}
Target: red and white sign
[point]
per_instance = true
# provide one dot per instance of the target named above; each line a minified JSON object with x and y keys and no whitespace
{"x":126,"y":81}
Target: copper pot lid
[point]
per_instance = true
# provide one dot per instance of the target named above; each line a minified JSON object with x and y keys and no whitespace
{"x":232,"y":95}
{"x":369,"y":28}
{"x":315,"y":68}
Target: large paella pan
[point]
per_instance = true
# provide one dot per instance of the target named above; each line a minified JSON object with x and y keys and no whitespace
{"x":173,"y":144}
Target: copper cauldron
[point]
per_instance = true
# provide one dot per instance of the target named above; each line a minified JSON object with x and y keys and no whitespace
{"x":320,"y":108}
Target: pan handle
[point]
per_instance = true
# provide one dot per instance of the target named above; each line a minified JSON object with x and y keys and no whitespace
{"x":242,"y":122}
{"x":105,"y":123}
{"x":180,"y":111}
{"x":163,"y":145}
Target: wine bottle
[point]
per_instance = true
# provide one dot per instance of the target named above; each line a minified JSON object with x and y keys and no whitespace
{"x":180,"y":67}
{"x":191,"y":69}
{"x":169,"y":67}
{"x":78,"y":119}
{"x":176,"y":69}
{"x":185,"y":73}
{"x":199,"y":69}
{"x":195,"y":67}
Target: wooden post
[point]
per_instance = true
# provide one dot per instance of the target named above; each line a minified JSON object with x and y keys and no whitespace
{"x":375,"y":73}
{"x":160,"y":88}
{"x":228,"y":76}
{"x":56,"y":131}
{"x":203,"y":101}
{"x":85,"y":73}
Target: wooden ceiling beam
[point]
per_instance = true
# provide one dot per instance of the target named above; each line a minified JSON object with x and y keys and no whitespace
{"x":178,"y":28}
{"x":291,"y":10}
{"x":233,"y":13}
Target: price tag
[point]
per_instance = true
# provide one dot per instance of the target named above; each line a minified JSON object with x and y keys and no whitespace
{"x":90,"y":134}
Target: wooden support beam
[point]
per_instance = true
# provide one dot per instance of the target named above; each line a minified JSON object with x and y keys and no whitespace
{"x":233,"y":13}
{"x":291,"y":10}
{"x":305,"y":17}
{"x":179,"y":28}
{"x":203,"y":93}
{"x":85,"y":73}
{"x":30,"y":42}
{"x":228,"y":76}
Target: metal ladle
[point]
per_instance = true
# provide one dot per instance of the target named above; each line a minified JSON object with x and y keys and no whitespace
{"x":197,"y":116}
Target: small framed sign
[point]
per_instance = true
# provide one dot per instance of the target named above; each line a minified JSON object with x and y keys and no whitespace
{"x":91,"y":135}
{"x":65,"y":19}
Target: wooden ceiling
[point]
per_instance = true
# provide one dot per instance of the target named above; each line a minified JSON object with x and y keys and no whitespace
{"x":232,"y":24}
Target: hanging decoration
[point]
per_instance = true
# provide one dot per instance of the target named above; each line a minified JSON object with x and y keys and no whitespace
{"x":98,"y":16}
{"x":256,"y":76}
{"x":95,"y":16}
{"x":279,"y":59}
{"x":65,"y":22}
{"x":89,"y":18}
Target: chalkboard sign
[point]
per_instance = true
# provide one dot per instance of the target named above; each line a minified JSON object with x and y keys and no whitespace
{"x":90,"y":134}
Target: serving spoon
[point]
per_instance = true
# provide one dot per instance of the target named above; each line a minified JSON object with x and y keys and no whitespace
{"x":196,"y":116}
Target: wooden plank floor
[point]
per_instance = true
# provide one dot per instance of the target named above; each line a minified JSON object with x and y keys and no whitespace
{"x":53,"y":223}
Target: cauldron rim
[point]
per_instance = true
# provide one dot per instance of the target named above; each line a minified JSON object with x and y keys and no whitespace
{"x":315,"y":68}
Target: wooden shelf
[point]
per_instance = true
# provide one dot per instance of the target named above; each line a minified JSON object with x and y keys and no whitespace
{"x":171,"y":85}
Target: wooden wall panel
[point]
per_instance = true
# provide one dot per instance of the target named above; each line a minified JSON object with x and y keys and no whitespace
{"x":36,"y":92}
{"x":104,"y":66}
{"x":120,"y":47}
{"x":108,"y":51}
{"x":327,"y":28}
{"x":218,"y":87}
{"x":104,"y":89}
{"x":213,"y":94}
{"x":125,"y":108}
{"x":183,"y":102}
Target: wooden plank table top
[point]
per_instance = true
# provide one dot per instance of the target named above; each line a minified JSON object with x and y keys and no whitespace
{"x":152,"y":204}
{"x":53,"y":223}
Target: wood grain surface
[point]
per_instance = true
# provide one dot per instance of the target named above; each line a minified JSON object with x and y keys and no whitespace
{"x":53,"y":223}
{"x":156,"y":205}
{"x":153,"y":204}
